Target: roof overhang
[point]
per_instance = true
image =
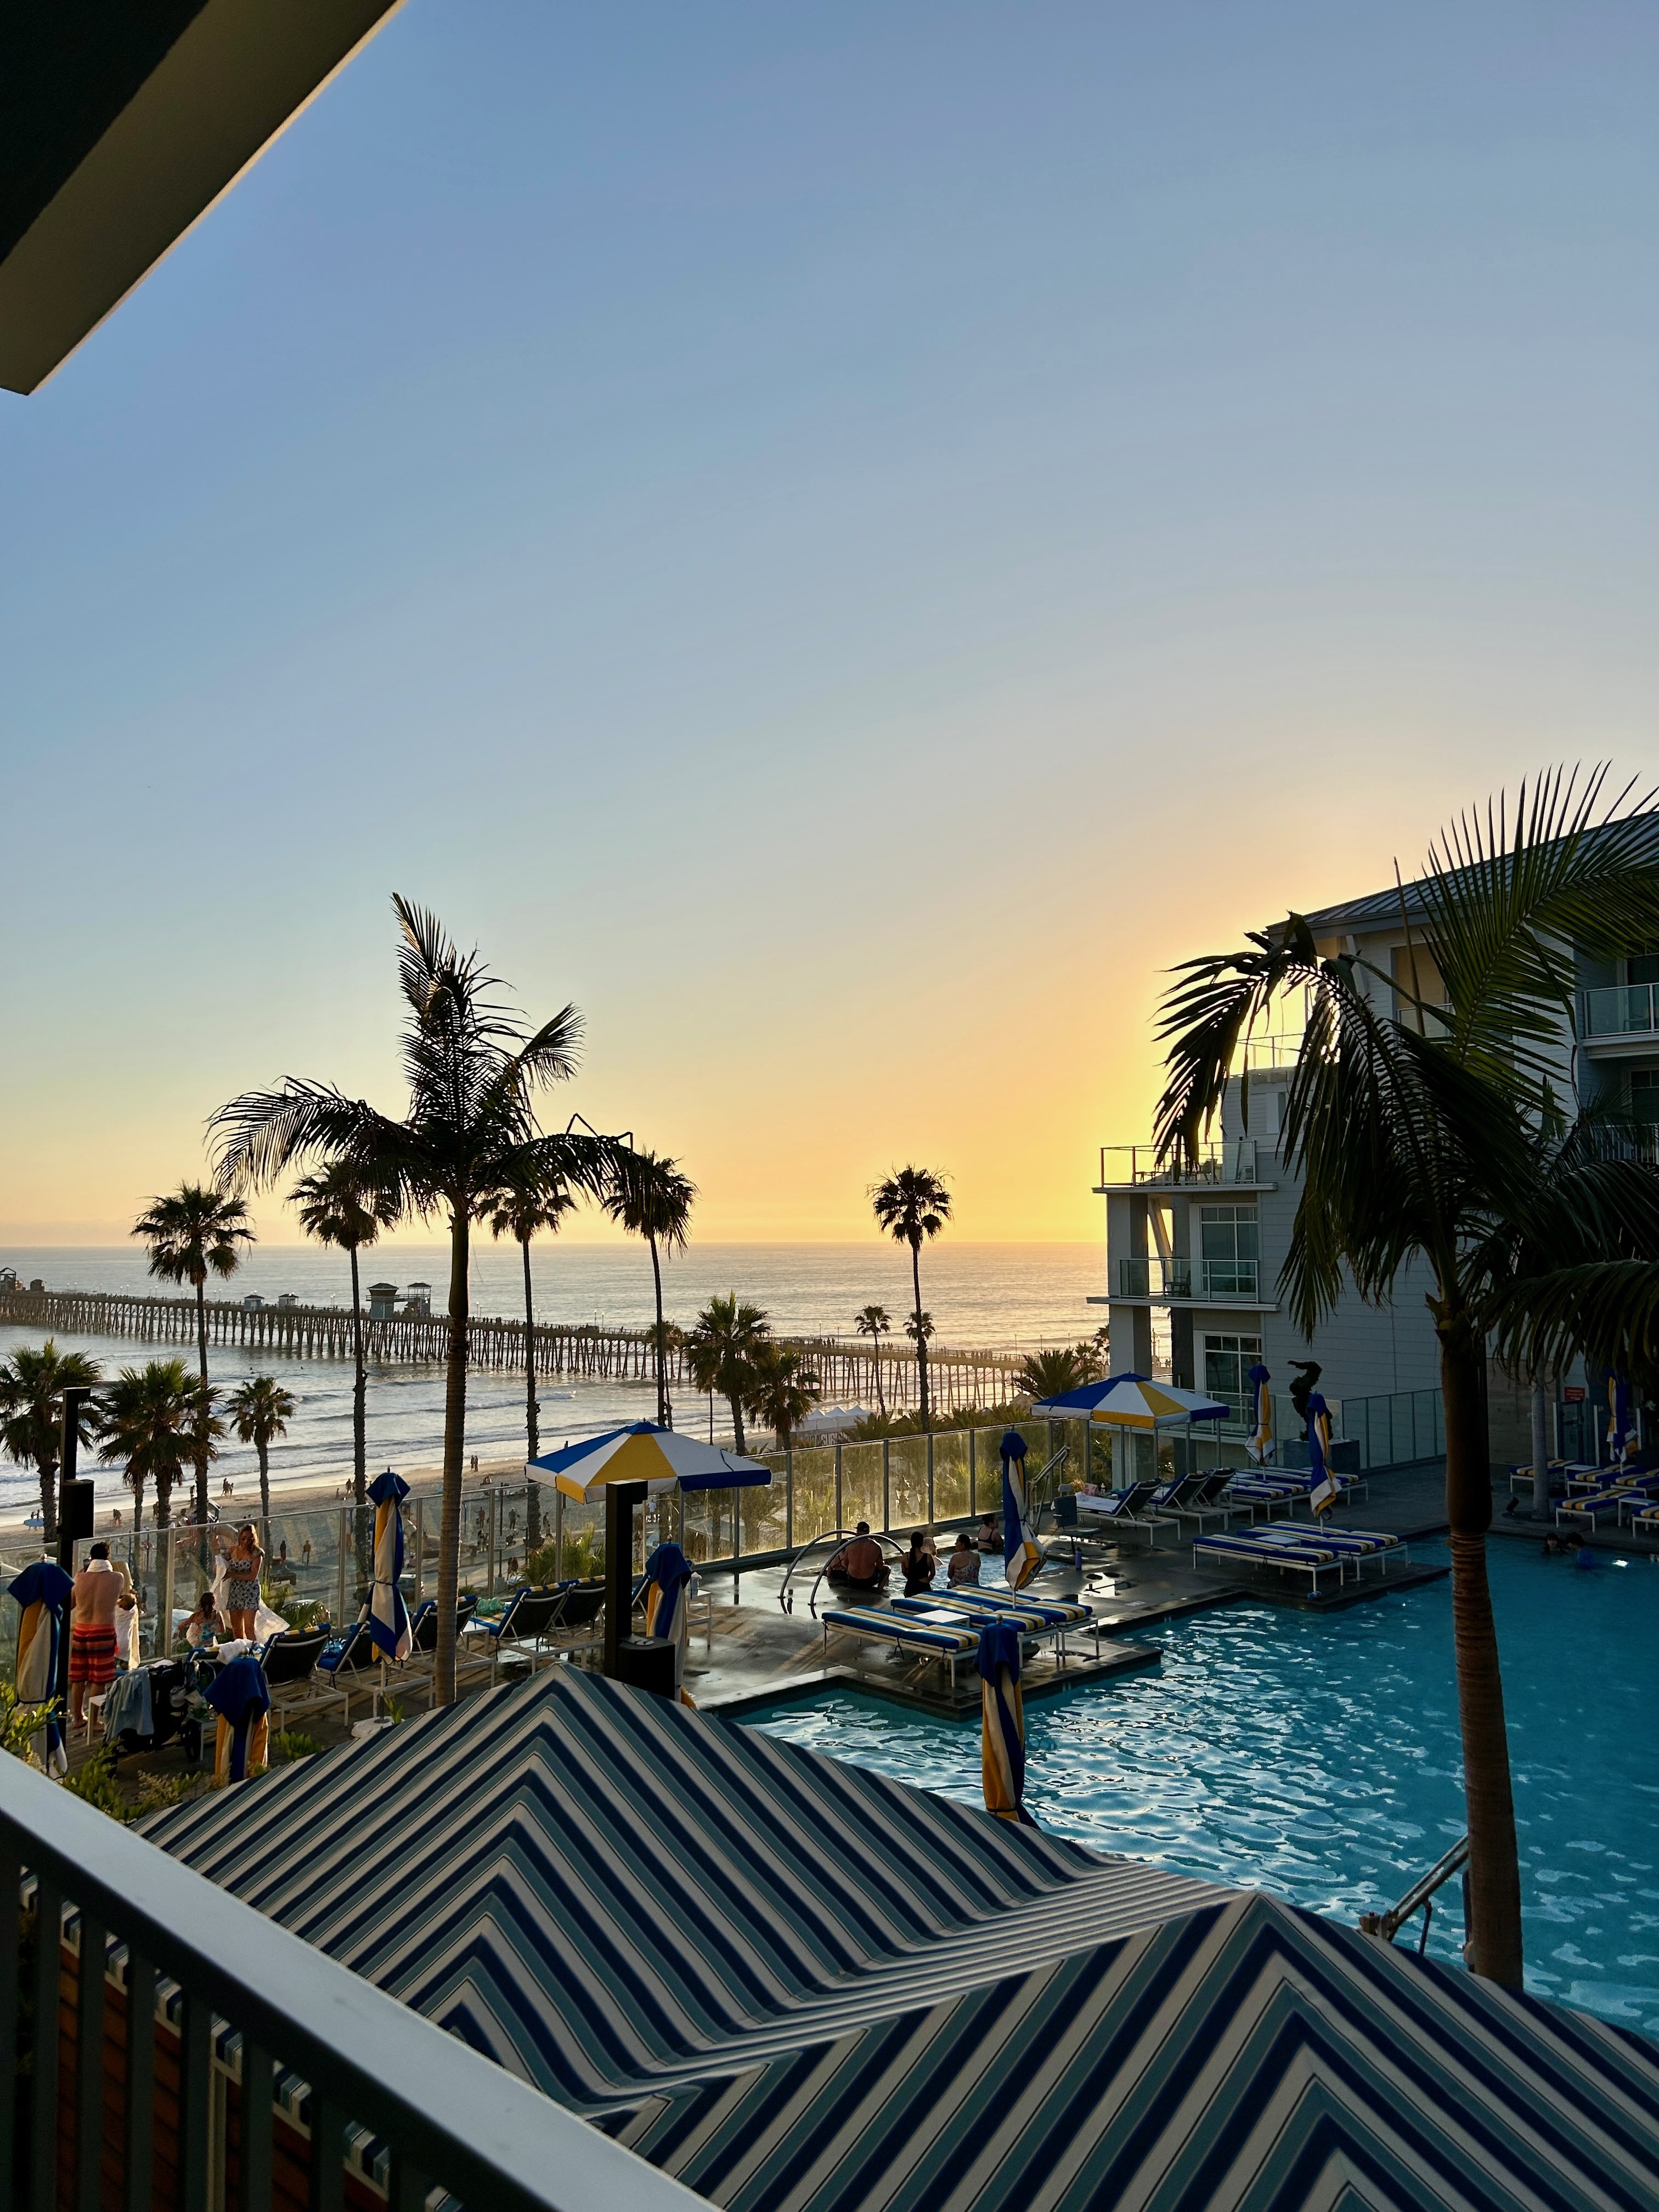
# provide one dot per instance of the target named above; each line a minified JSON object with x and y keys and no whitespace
{"x":121,"y":126}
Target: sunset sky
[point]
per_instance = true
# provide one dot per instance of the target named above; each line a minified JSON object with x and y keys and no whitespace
{"x":844,"y":538}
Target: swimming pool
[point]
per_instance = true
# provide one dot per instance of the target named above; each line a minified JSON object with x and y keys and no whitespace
{"x":1317,"y":1756}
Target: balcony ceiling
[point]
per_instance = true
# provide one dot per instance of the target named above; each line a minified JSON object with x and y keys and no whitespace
{"x":120,"y":125}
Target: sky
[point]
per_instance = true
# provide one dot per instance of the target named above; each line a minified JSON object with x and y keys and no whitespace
{"x":844,"y":539}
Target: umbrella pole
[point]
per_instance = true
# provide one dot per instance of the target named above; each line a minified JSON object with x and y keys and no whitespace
{"x":620,"y":1500}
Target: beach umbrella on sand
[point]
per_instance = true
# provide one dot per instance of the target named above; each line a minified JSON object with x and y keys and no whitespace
{"x":1002,"y":1724}
{"x":1322,"y":1496}
{"x":43,"y":1592}
{"x":1021,"y":1553}
{"x":388,"y":1615}
{"x":662,"y":1459}
{"x":668,"y":1578}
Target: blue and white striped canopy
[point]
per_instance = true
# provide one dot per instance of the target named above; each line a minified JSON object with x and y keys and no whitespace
{"x":800,"y":1987}
{"x":1130,"y":1401}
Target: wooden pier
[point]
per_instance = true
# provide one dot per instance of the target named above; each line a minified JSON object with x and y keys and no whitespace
{"x":845,"y":1368}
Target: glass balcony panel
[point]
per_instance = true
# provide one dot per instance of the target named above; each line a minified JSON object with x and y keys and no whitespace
{"x":815,"y":1489}
{"x":951,"y":1499}
{"x":860,"y":1484}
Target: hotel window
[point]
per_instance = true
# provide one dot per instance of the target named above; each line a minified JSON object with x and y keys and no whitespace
{"x":1227,"y":1364}
{"x":1645,"y":1095}
{"x":1228,"y":1251}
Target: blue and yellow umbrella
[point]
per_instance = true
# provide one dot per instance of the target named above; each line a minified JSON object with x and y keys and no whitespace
{"x":1002,"y":1724}
{"x":662,"y":1459}
{"x":1022,"y":1555}
{"x":43,"y":1592}
{"x":1260,"y":1443}
{"x":388,"y":1615}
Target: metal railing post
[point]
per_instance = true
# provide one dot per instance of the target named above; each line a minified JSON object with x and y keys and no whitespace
{"x":839,"y":1522}
{"x":930,"y":1477}
{"x":886,"y":1487}
{"x":420,"y":1549}
{"x":973,"y":1473}
{"x":340,"y":1592}
{"x":164,"y":1612}
{"x":48,"y":1961}
{"x":789,"y":1498}
{"x":89,"y":2068}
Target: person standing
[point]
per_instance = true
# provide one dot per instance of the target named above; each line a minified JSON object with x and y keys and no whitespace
{"x":243,"y":1566}
{"x":100,"y":1588}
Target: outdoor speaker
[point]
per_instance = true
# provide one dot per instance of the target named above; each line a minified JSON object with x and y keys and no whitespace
{"x":75,"y":1509}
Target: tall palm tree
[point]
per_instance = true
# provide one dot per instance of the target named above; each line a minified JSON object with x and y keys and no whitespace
{"x":1416,"y":1134}
{"x":339,"y":1206}
{"x":260,"y":1411}
{"x":912,"y":1205}
{"x":720,"y":1351}
{"x":875,"y":1322}
{"x":32,"y":1387}
{"x":522,"y":1213}
{"x":651,"y":1198}
{"x":153,"y":1419}
{"x":783,"y":1389}
{"x":470,"y":1134}
{"x":192,"y":1233}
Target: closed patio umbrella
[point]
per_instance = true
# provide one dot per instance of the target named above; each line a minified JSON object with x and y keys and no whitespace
{"x":43,"y":1592}
{"x":388,"y":1615}
{"x":1002,"y":1724}
{"x":1021,"y":1554}
{"x":1621,"y":1429}
{"x":1322,"y":1494}
{"x":1260,"y":1445}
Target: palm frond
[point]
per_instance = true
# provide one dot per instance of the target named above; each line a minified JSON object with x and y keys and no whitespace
{"x":263,"y":1133}
{"x":1606,"y":1312}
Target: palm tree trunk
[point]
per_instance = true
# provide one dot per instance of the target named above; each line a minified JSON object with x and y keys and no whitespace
{"x":530,"y":1430}
{"x":1541,"y":1451}
{"x":201,"y":1439}
{"x":875,"y":1353}
{"x":135,"y":1484}
{"x":1493,"y":1947}
{"x":921,"y":1341}
{"x":263,"y":1451}
{"x":449,"y":1540}
{"x":736,"y":1404}
{"x":164,"y":1501}
{"x":664,"y":1411}
{"x":359,"y":1391}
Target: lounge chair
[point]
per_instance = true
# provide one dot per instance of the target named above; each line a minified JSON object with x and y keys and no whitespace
{"x":1122,"y":1509}
{"x":289,"y":1659}
{"x":580,"y":1605}
{"x":923,"y":1639}
{"x":1521,"y":1477}
{"x":1238,"y":1549}
{"x":346,"y":1666}
{"x":1611,"y":1498}
{"x":1203,"y":1499}
{"x":521,"y":1630}
{"x":420,"y":1669}
{"x":1055,"y":1618}
{"x":1357,"y":1544}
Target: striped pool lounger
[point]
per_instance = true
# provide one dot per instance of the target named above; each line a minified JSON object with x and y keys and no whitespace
{"x":1044,"y":1622}
{"x":929,"y":1638}
{"x":1054,"y":1612}
{"x":1340,"y":1540}
{"x":1311,"y":1560}
{"x":1592,"y":1507}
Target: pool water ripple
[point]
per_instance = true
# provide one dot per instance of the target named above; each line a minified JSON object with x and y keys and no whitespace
{"x":1319,"y":1758}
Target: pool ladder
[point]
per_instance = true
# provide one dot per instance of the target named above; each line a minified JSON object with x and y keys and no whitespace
{"x":1421,"y":1892}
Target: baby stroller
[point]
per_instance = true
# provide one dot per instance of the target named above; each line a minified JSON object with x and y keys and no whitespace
{"x":179,"y":1708}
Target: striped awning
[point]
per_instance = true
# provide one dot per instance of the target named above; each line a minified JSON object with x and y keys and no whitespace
{"x":803,"y":1988}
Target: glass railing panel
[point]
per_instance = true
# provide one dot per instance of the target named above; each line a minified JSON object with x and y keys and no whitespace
{"x":1229,"y":1278}
{"x":907,"y":1501}
{"x":762,"y":1509}
{"x":860,"y":1484}
{"x":952,"y":1500}
{"x":815,"y":1489}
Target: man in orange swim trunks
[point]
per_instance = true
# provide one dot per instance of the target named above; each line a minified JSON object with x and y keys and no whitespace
{"x":98,"y":1589}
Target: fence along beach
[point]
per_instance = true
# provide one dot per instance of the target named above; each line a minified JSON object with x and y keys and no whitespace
{"x":847,"y":1368}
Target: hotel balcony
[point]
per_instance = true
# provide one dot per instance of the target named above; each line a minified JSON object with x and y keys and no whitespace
{"x":1189,"y":1282}
{"x":1620,"y":1021}
{"x":1229,"y":1165}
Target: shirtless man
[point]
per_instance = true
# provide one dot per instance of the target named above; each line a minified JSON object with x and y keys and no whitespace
{"x":100,"y":1588}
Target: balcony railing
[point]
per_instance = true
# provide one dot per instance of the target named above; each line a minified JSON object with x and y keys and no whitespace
{"x":1152,"y":1277}
{"x":1622,"y":1009}
{"x":1233,"y":1160}
{"x":77,"y":1889}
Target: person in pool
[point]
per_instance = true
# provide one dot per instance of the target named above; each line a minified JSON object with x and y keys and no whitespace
{"x":919,"y":1563}
{"x":858,"y":1566}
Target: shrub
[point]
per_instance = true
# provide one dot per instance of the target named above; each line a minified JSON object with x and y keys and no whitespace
{"x":159,"y":1793}
{"x":291,"y":1744}
{"x":95,"y":1785}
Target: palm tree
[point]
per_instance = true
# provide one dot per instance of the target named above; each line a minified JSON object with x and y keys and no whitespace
{"x":338,"y":1206}
{"x":875,"y":1322}
{"x":912,"y":1204}
{"x":521,"y":1213}
{"x":1061,"y":1367}
{"x":193,"y":1232}
{"x":783,"y":1389}
{"x":470,"y":1134}
{"x":153,"y":1419}
{"x":32,"y":1387}
{"x":653,"y":1198}
{"x":260,"y":1411}
{"x":1418,"y":1134}
{"x":721,"y":1349}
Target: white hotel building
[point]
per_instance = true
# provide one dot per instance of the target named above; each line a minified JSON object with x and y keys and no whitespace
{"x":1194,"y":1254}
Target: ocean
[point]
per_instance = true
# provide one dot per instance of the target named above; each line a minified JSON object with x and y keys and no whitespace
{"x":1012,"y":1296}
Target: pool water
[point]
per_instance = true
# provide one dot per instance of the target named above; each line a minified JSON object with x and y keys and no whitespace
{"x":1317,"y":1756}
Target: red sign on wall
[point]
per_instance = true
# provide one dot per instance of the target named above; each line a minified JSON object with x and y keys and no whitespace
{"x":1575,"y":1393}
